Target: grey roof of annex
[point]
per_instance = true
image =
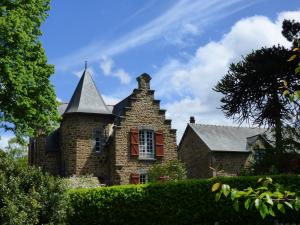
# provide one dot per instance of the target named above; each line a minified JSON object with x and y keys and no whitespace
{"x":225,"y":138}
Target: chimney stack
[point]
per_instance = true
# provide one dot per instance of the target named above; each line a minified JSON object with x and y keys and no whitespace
{"x":144,"y":81}
{"x":192,"y":119}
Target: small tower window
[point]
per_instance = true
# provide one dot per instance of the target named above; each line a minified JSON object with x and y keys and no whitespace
{"x":98,"y":140}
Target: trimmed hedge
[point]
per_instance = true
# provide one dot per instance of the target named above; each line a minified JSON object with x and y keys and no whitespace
{"x":171,"y":203}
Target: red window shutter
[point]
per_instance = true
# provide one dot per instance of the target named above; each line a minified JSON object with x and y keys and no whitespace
{"x":134,"y":178}
{"x":163,"y":178}
{"x":159,"y":143}
{"x":134,"y":142}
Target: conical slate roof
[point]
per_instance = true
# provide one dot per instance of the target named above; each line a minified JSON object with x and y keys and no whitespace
{"x":86,"y":98}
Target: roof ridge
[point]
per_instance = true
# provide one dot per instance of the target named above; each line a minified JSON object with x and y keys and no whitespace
{"x":216,"y":125}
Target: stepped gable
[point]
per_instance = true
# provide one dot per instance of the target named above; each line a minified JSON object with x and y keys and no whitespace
{"x":124,"y":105}
{"x":86,"y":98}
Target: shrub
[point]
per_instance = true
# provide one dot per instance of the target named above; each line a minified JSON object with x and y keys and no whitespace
{"x":169,"y":203}
{"x":28,"y":196}
{"x":87,"y":181}
{"x":174,"y":170}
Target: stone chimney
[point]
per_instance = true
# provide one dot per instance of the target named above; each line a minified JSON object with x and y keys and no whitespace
{"x":144,"y":81}
{"x":192,"y":119}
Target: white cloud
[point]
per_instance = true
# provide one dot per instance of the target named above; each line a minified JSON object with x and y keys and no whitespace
{"x":199,"y":75}
{"x":109,"y":100}
{"x":185,"y":14}
{"x":106,"y":65}
{"x":122,"y":75}
{"x":190,"y":28}
{"x":181,"y":110}
{"x":4,"y":140}
{"x":59,"y":99}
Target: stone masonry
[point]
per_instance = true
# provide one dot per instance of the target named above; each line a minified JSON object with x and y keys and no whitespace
{"x":143,"y":111}
{"x":196,"y":156}
{"x":114,"y":164}
{"x":209,"y":150}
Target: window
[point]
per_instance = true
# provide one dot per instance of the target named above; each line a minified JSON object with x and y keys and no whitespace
{"x":146,"y":144}
{"x":98,"y":140}
{"x":259,"y":155}
{"x":143,"y":178}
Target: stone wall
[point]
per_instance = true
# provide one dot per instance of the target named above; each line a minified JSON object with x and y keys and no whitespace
{"x":231,"y":163}
{"x":48,"y":161}
{"x":196,"y":156}
{"x":142,"y":111}
{"x":113,"y":165}
{"x":78,"y":157}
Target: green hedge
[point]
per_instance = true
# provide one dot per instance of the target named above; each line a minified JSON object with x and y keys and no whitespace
{"x":185,"y":202}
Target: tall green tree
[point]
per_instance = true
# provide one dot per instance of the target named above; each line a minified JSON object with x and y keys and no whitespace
{"x":291,"y":31}
{"x":251,"y":90}
{"x":28,"y":103}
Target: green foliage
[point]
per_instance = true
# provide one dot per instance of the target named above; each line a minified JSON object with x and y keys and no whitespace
{"x":291,"y":31}
{"x":170,"y":203}
{"x":251,"y":88}
{"x":266,"y":198}
{"x":28,"y":103}
{"x":18,"y":152}
{"x":87,"y":181}
{"x":172,"y":171}
{"x":28,"y":196}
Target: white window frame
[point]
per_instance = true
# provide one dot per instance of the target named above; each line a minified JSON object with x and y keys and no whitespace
{"x":146,"y":144}
{"x":144,"y":178}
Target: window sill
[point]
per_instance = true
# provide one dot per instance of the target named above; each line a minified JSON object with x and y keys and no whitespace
{"x":147,"y":159}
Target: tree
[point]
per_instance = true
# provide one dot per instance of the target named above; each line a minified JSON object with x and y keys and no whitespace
{"x":267,"y":198}
{"x":29,"y":196}
{"x":28,"y":103}
{"x":291,"y":31}
{"x":252,"y":94}
{"x":172,"y":171}
{"x":17,"y":152}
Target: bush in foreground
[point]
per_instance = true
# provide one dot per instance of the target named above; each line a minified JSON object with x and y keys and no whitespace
{"x":170,"y":203}
{"x":29,"y":196}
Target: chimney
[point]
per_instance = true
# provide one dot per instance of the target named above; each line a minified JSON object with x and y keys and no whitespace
{"x":192,"y":119}
{"x":144,"y":81}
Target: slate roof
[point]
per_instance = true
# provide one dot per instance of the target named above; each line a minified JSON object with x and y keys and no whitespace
{"x":225,"y":138}
{"x":86,"y":98}
{"x":119,"y":107}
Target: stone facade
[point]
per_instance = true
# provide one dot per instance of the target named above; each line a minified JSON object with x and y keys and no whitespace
{"x":196,"y":156}
{"x":114,"y":164}
{"x":39,"y":155}
{"x":204,"y":157}
{"x":143,"y":112}
{"x":229,"y":163}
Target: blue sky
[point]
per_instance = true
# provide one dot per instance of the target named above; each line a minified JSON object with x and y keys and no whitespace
{"x":185,"y":45}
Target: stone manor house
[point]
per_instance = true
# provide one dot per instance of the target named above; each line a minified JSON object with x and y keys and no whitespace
{"x":116,"y":143}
